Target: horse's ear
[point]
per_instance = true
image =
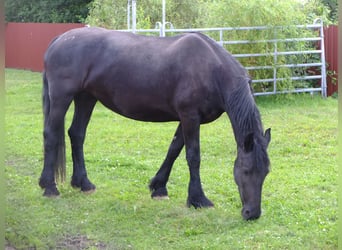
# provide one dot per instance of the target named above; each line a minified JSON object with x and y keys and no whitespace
{"x":268,"y":135}
{"x":248,"y":144}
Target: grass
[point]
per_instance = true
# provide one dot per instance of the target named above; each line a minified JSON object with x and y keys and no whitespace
{"x":299,"y":196}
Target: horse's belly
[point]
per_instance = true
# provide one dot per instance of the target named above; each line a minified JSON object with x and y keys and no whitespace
{"x":142,"y":110}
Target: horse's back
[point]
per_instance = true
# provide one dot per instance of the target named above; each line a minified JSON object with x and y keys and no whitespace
{"x":141,"y":77}
{"x":78,"y":44}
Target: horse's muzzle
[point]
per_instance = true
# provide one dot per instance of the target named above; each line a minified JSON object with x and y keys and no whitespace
{"x":250,"y":213}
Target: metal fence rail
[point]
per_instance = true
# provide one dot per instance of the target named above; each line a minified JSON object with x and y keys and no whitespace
{"x":319,"y":74}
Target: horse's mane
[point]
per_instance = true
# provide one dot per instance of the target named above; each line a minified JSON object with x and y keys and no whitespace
{"x":245,"y":118}
{"x":242,"y":110}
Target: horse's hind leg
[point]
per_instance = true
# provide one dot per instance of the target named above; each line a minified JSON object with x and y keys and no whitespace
{"x":158,"y":183}
{"x":84,"y":105}
{"x":54,"y":146}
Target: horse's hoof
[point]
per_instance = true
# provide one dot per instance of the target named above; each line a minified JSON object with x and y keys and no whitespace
{"x":51,"y":192}
{"x":85,"y":185}
{"x":90,"y":191}
{"x":88,"y":187}
{"x":203,"y":203}
{"x":160,"y":192}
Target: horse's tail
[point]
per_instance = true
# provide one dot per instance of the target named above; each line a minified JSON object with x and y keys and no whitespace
{"x":60,"y":164}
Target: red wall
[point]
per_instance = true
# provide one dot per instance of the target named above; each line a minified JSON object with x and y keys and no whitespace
{"x":26,"y":43}
{"x":331,"y":52}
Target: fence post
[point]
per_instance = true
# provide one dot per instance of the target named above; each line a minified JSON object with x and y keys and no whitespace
{"x":134,"y":16}
{"x":221,"y":37}
{"x":163,"y":19}
{"x":275,"y":61}
{"x":323,"y":68}
{"x":128,"y":14}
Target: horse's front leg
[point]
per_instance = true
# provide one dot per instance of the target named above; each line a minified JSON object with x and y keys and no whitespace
{"x":191,"y":132}
{"x":84,"y":105}
{"x":158,"y":182}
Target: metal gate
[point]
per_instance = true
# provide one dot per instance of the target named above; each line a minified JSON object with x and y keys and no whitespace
{"x":306,"y":74}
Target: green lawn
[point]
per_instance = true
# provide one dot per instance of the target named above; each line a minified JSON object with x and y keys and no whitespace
{"x":299,"y":196}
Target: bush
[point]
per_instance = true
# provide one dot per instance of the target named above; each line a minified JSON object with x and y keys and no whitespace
{"x":113,"y":14}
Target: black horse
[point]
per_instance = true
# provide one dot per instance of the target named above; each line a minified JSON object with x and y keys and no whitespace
{"x":187,"y":78}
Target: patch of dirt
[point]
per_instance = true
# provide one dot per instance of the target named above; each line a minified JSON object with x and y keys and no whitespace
{"x":71,"y":242}
{"x":78,"y":242}
{"x":8,"y":246}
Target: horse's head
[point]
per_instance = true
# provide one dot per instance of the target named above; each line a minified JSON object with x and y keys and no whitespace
{"x":250,"y":169}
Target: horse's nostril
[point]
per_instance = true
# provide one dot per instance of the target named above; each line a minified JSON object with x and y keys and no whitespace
{"x":246,"y":213}
{"x":249,"y":214}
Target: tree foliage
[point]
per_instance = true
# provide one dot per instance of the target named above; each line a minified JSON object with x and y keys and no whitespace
{"x":182,"y":14}
{"x":332,"y":6}
{"x":113,"y":14}
{"x":49,"y":11}
{"x":326,"y":9}
{"x":211,"y":13}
